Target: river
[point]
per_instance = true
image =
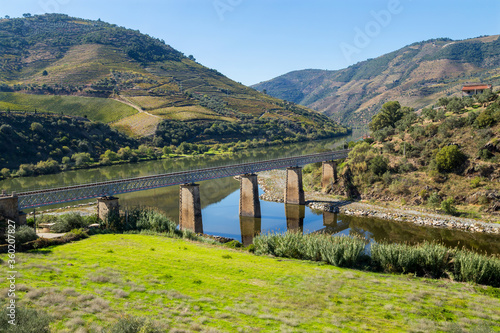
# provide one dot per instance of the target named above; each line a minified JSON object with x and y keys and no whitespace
{"x":220,"y":201}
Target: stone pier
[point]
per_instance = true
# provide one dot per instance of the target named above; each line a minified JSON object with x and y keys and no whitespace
{"x":329,"y":174}
{"x":106,"y":206}
{"x":9,"y":208}
{"x":295,"y":215}
{"x":249,"y":196}
{"x":190,"y":208}
{"x":250,"y":227}
{"x":294,"y":191}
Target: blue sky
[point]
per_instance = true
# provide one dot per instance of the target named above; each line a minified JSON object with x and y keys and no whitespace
{"x":256,"y":40}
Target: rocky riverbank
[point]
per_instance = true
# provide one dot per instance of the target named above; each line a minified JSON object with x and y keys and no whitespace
{"x":273,"y":183}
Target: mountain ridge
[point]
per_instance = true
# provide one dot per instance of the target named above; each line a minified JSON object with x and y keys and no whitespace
{"x":416,"y":74}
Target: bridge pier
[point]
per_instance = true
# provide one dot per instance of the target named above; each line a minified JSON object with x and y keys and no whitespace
{"x":190,"y":208}
{"x":329,"y":174}
{"x":250,"y":227}
{"x":107,"y":206}
{"x":9,"y":208}
{"x":295,"y":215}
{"x":249,"y":196}
{"x":294,"y":191}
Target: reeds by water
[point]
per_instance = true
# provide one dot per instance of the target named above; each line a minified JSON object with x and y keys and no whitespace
{"x":426,"y":259}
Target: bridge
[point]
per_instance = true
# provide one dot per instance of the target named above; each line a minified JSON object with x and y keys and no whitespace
{"x":189,"y":197}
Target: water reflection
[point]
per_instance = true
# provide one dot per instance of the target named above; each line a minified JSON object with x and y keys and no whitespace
{"x":250,"y":227}
{"x":295,"y":215}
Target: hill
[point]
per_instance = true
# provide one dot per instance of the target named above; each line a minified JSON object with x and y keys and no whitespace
{"x":438,"y":159}
{"x":93,"y":67}
{"x":416,"y":75}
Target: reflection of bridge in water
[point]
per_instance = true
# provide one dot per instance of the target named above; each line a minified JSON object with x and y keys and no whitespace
{"x":189,"y":193}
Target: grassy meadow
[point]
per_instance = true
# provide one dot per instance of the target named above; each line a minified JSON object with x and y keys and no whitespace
{"x":182,"y":286}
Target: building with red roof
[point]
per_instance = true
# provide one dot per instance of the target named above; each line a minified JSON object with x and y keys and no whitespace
{"x":471,"y":89}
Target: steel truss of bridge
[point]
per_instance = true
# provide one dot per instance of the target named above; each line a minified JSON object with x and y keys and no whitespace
{"x":53,"y":196}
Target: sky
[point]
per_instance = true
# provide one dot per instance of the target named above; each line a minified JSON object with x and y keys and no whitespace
{"x":256,"y":40}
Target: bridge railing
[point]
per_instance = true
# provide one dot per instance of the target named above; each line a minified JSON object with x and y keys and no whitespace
{"x":53,"y":196}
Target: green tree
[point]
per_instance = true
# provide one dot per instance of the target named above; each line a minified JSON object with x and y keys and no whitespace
{"x":81,"y":159}
{"x":390,"y":113}
{"x":443,"y":101}
{"x":449,"y":157}
{"x":36,"y":127}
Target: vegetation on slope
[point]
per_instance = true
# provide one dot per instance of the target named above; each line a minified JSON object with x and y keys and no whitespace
{"x":416,"y":75}
{"x":446,"y":157}
{"x":56,"y":54}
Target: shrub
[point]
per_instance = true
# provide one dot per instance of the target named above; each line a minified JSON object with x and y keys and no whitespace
{"x":378,"y":165}
{"x":449,"y":157}
{"x":152,"y":220}
{"x":476,"y":268}
{"x":68,"y":222}
{"x":423,"y":260}
{"x":448,"y":206}
{"x":133,"y":325}
{"x":475,"y":182}
{"x":341,"y":251}
{"x":434,"y":199}
{"x":27,"y":321}
{"x":25,"y":234}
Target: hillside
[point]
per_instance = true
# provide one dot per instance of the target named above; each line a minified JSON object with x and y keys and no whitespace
{"x":440,"y":159}
{"x":416,"y":75}
{"x":93,"y":67}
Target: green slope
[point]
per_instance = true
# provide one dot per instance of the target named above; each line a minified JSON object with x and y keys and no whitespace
{"x":184,"y":286}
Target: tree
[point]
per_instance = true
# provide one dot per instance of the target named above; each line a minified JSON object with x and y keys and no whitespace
{"x":36,"y":127}
{"x":455,"y":105}
{"x":449,"y":157}
{"x":390,"y":113}
{"x":26,"y":15}
{"x":81,"y":159}
{"x":45,"y":73}
{"x":443,"y":101}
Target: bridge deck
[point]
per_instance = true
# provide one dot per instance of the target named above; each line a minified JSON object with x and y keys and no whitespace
{"x":53,"y":196}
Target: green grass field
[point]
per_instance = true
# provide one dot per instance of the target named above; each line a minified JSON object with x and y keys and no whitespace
{"x":184,"y":286}
{"x":96,"y":109}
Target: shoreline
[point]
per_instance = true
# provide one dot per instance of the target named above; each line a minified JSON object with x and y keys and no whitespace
{"x":273,"y":184}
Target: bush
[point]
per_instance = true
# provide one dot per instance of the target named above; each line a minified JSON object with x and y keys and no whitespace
{"x":68,"y":222}
{"x":25,"y":234}
{"x":449,"y":158}
{"x":426,"y":259}
{"x":27,"y":321}
{"x":448,"y":206}
{"x":133,"y":325}
{"x":434,"y":200}
{"x":341,"y":251}
{"x":378,"y":165}
{"x":149,"y":219}
{"x":476,"y":268}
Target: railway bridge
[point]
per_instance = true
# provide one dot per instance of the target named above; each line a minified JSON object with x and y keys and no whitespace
{"x":11,"y":205}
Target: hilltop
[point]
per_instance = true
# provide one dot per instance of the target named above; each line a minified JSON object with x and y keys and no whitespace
{"x":416,"y":75}
{"x":141,"y":79}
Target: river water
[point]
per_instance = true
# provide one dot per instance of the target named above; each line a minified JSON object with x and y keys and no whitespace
{"x":220,"y":201}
